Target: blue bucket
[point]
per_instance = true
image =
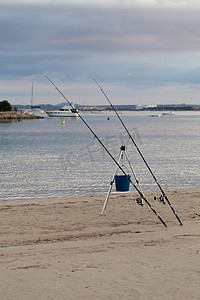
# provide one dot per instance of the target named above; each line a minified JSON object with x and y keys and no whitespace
{"x":122,"y":183}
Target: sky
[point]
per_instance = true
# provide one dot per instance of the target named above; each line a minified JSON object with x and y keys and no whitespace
{"x":140,"y":51}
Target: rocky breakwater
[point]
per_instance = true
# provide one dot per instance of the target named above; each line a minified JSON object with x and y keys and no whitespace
{"x":17,"y":115}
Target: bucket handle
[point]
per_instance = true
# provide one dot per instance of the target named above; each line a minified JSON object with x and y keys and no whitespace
{"x":123,"y":166}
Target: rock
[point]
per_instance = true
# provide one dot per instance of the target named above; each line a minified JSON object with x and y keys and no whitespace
{"x":15,"y":115}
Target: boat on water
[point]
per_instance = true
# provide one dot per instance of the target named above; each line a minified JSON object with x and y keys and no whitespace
{"x":171,"y":113}
{"x":163,"y":114}
{"x":35,"y":109}
{"x":65,"y":111}
{"x":155,"y":116}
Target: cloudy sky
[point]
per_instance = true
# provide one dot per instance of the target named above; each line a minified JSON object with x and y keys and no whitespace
{"x":140,"y":51}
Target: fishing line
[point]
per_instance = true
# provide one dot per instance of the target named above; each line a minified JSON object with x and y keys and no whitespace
{"x":163,"y":193}
{"x":139,"y":192}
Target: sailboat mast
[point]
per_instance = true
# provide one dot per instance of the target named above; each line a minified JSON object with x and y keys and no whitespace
{"x":32,"y":95}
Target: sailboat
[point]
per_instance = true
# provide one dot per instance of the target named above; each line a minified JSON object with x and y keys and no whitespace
{"x":35,"y":109}
{"x":170,"y":113}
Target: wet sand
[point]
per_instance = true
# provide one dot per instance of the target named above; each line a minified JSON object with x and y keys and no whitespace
{"x":61,"y":248}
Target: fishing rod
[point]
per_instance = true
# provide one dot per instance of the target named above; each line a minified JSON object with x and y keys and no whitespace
{"x":112,"y":157}
{"x":163,"y":193}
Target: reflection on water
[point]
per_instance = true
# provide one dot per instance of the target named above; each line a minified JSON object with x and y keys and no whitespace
{"x":41,"y":158}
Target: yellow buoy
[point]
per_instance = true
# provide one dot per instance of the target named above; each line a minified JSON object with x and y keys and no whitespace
{"x":63,"y":122}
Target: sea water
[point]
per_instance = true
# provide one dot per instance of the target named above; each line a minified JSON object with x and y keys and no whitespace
{"x":44,"y":158}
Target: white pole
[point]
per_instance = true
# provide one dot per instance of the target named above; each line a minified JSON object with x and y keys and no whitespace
{"x":32,"y":95}
{"x":111,"y":184}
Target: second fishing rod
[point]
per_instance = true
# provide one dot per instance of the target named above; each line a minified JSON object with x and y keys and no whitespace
{"x":130,"y":136}
{"x":108,"y":152}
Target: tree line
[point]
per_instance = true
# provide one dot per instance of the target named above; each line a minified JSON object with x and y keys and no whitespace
{"x":5,"y":106}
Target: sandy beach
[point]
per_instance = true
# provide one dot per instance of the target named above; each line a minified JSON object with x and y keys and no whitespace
{"x":61,"y":248}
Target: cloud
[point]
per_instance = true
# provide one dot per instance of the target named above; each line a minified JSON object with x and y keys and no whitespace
{"x":131,"y":45}
{"x":106,"y":3}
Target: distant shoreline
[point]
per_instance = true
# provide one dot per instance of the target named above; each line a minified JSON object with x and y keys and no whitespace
{"x":17,"y":115}
{"x":123,"y":107}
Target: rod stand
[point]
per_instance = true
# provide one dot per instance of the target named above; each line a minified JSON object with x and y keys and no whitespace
{"x":121,"y":155}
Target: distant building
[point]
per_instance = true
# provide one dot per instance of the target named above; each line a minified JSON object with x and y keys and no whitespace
{"x":151,"y":106}
{"x":139,"y":107}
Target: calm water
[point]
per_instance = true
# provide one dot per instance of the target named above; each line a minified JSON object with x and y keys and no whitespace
{"x":43,"y":158}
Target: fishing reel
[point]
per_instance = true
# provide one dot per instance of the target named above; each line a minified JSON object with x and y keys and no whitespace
{"x":161,"y":199}
{"x":140,"y":201}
